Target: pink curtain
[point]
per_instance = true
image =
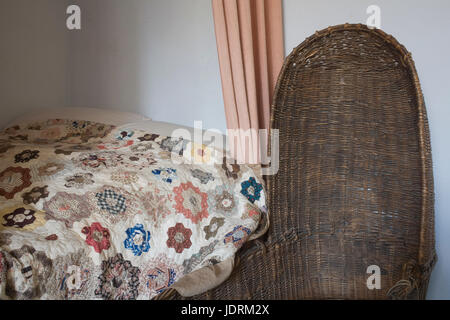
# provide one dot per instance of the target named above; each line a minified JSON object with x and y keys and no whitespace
{"x":249,"y":35}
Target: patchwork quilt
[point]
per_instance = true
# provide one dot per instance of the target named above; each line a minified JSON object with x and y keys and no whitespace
{"x":88,"y":211}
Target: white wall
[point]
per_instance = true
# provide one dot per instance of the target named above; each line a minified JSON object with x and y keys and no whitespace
{"x":33,"y":52}
{"x":156,"y":57}
{"x":423,"y":27}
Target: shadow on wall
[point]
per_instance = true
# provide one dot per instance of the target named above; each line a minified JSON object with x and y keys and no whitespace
{"x":157,"y":58}
{"x":104,"y":58}
{"x":33,"y":56}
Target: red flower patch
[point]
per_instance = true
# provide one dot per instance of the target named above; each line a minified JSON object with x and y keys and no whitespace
{"x":97,"y":237}
{"x":179,"y":238}
{"x":191,"y":202}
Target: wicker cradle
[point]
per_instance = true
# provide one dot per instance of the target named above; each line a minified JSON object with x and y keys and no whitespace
{"x":355,"y":184}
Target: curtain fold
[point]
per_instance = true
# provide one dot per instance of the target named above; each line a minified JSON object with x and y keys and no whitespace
{"x":249,"y":37}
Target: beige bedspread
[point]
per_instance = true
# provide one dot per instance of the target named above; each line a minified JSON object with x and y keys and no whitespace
{"x":91,"y":212}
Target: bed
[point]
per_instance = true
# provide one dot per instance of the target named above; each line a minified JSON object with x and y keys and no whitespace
{"x":97,"y":205}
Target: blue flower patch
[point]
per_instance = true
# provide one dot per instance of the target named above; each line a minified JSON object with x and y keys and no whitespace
{"x":251,"y":189}
{"x":125,"y":135}
{"x":79,"y":124}
{"x":161,"y":279}
{"x":138,"y":239}
{"x":238,"y":236}
{"x":166,"y":174}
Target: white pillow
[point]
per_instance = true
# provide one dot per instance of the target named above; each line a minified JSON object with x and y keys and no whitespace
{"x":90,"y":114}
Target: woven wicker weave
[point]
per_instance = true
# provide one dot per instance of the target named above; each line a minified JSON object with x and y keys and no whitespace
{"x":355,"y":185}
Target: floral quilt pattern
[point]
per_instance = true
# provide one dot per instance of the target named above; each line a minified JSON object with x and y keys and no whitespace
{"x":91,"y":212}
